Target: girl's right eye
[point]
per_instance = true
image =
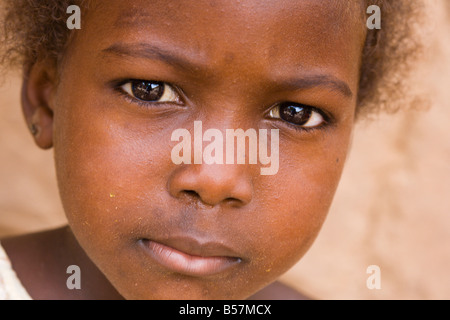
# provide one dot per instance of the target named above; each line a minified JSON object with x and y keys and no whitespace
{"x":151,"y":91}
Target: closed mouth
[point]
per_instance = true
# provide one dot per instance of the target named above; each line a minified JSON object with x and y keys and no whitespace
{"x":190,"y":256}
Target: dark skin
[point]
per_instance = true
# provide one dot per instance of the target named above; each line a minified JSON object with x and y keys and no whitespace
{"x":229,"y":63}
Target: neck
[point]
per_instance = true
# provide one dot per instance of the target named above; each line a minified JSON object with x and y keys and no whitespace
{"x":94,"y":285}
{"x":41,"y":261}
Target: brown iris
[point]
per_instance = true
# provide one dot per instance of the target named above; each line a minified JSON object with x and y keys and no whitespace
{"x":147,"y":90}
{"x":296,"y":114}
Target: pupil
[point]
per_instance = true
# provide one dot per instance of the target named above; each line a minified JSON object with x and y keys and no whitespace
{"x":295,"y":114}
{"x":147,"y":91}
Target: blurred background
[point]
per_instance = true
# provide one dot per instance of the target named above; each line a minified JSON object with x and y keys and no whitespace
{"x":392,"y":208}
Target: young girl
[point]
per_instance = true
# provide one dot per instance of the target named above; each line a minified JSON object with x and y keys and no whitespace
{"x":109,"y":97}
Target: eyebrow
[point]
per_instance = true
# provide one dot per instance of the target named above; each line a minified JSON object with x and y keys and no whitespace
{"x":320,"y":80}
{"x":194,"y":63}
{"x":155,"y":52}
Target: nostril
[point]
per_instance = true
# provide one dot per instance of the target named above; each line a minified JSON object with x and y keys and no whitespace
{"x":194,"y":195}
{"x":191,"y":193}
{"x":233,"y":202}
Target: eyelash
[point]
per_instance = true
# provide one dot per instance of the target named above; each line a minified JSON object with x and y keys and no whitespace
{"x":117,"y":86}
{"x":328,"y":120}
{"x":130,"y":99}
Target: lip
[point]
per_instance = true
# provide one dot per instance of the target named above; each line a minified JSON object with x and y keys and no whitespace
{"x":191,"y":256}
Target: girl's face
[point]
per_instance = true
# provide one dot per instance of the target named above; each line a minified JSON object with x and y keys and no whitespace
{"x":159,"y":230}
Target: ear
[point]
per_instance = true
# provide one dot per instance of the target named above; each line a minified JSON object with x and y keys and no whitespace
{"x":38,"y":88}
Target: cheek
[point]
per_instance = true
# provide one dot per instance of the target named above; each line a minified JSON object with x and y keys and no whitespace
{"x":107,"y":168}
{"x":295,"y":201}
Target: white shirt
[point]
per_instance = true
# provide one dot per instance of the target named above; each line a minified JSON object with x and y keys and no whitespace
{"x":10,"y":286}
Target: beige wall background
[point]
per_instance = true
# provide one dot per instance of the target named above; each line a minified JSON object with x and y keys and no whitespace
{"x":392,"y":208}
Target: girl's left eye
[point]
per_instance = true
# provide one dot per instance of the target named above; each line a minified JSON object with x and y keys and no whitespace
{"x":151,"y":91}
{"x":301,"y":115}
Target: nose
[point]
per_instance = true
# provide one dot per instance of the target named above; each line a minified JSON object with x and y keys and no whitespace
{"x":212,"y":184}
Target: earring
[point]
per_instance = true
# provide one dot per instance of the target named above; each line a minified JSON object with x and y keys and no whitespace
{"x":33,"y":129}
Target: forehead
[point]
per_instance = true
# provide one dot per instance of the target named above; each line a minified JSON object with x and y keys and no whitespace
{"x":313,"y":33}
{"x":250,"y":12}
{"x":232,"y":17}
